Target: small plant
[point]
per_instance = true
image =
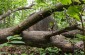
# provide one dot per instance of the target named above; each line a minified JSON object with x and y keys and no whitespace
{"x":16,"y":39}
{"x":49,"y":50}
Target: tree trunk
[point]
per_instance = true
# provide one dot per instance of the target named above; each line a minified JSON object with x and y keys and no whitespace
{"x":37,"y":39}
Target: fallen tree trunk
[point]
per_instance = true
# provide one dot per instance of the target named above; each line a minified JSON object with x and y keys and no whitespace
{"x":31,"y":20}
{"x":37,"y":38}
{"x":10,"y":31}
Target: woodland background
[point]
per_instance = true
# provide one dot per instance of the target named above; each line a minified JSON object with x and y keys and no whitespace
{"x":42,"y":27}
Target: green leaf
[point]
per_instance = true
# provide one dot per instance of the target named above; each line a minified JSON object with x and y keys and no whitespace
{"x":76,"y":1}
{"x":76,"y":16}
{"x":40,"y":1}
{"x":19,"y":38}
{"x":15,"y":37}
{"x":79,"y":36}
{"x":82,"y":37}
{"x":24,"y":54}
{"x":54,"y":1}
{"x":74,"y":12}
{"x":84,"y":1}
{"x":16,"y":42}
{"x":65,"y":2}
{"x":51,"y":23}
{"x":4,"y":44}
{"x":9,"y":37}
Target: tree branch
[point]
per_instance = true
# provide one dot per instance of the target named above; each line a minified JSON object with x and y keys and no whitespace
{"x":12,"y":11}
{"x":61,"y":31}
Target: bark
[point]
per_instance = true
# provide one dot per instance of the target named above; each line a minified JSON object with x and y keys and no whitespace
{"x":71,"y":34}
{"x":44,"y":25}
{"x":38,"y":39}
{"x":61,"y":31}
